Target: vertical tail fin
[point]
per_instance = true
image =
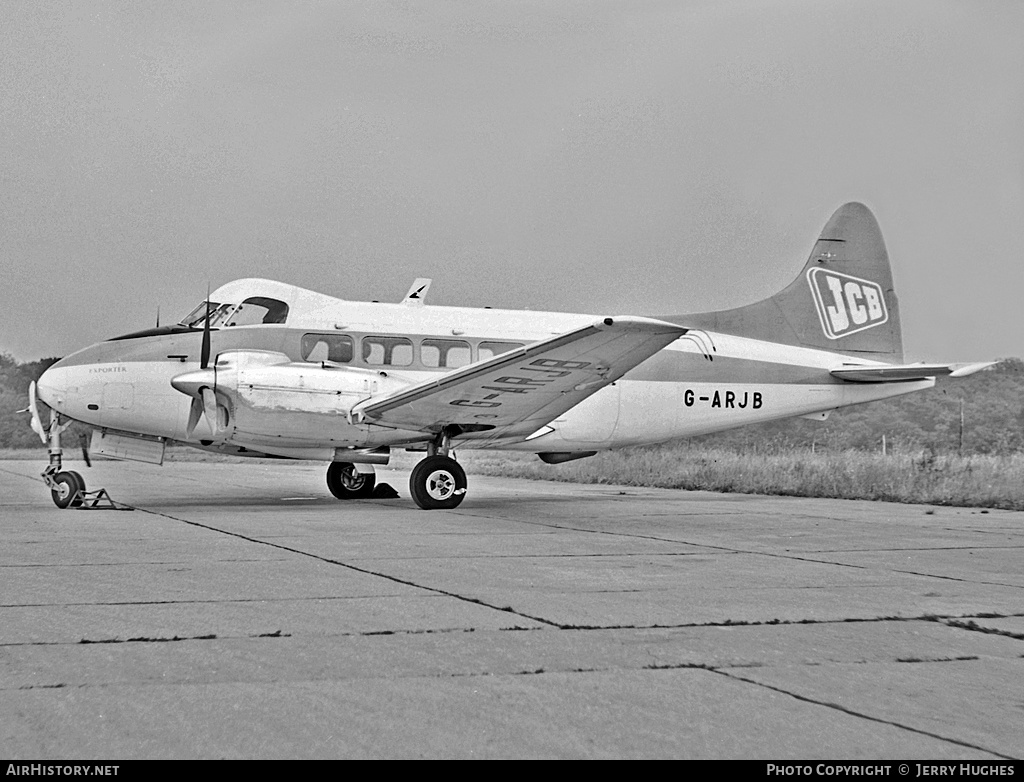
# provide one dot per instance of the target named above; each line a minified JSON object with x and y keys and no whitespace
{"x":842,"y":301}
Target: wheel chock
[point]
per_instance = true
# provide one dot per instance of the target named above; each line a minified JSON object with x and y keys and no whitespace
{"x":98,"y":500}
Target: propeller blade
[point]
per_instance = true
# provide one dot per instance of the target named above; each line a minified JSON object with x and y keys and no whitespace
{"x":210,"y":408}
{"x":83,"y":440}
{"x":204,"y":355}
{"x":195,"y":412}
{"x":37,"y":423}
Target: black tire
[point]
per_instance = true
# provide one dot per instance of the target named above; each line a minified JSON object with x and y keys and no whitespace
{"x":69,"y":488}
{"x":438,"y":483}
{"x":81,"y":487}
{"x":347,"y":484}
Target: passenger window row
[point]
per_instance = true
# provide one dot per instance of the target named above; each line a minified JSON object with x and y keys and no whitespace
{"x":381,"y":351}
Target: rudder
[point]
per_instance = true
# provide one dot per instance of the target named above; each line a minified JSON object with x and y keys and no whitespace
{"x":842,"y":301}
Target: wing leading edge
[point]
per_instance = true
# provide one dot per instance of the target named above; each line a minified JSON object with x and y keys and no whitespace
{"x":522,"y":390}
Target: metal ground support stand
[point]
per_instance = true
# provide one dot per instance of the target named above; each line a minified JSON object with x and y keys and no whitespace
{"x":98,"y":500}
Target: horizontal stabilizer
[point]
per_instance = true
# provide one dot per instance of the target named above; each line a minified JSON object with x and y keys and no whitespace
{"x":897,"y":373}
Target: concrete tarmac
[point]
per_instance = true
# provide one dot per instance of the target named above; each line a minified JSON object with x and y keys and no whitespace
{"x":241,"y":612}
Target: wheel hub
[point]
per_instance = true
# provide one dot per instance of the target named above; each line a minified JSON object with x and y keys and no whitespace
{"x":440,"y":484}
{"x":352,"y":480}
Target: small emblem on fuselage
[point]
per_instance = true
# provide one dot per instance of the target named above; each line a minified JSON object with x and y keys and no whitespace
{"x":846,"y":304}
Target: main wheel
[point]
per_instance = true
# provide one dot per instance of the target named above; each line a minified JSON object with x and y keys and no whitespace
{"x":346,"y":483}
{"x":67,"y":492}
{"x":438,"y":482}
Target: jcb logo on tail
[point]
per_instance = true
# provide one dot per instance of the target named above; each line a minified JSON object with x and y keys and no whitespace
{"x":846,"y":304}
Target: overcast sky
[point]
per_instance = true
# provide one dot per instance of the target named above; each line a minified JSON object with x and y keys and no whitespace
{"x":622,"y":157}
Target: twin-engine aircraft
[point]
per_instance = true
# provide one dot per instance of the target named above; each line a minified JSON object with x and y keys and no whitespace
{"x":263,"y":368}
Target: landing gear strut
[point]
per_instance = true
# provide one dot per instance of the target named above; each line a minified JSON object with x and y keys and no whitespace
{"x":347,"y":483}
{"x":66,"y":488}
{"x":438,"y":482}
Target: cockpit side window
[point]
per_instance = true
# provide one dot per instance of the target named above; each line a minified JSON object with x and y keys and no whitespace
{"x":253,"y":311}
{"x":259,"y":309}
{"x":196,"y":318}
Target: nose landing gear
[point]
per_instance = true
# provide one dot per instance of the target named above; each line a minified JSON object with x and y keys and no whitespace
{"x":66,"y":488}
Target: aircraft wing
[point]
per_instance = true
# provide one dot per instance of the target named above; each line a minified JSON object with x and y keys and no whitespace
{"x":524,"y":389}
{"x":897,"y":372}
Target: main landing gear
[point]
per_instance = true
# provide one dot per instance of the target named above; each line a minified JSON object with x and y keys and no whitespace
{"x":438,"y":482}
{"x":346,"y":482}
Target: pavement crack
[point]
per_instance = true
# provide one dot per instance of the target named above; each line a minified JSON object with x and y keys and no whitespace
{"x":937,"y":659}
{"x":769,"y":622}
{"x":46,"y":686}
{"x":975,"y":627}
{"x":371,"y":633}
{"x":147,"y":639}
{"x":954,"y":578}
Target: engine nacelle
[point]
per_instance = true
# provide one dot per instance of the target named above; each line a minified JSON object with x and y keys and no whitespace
{"x":269,"y":381}
{"x":267,"y":399}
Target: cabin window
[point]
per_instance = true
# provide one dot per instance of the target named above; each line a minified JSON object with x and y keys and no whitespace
{"x":491,"y":349}
{"x":387,"y":351}
{"x":445,"y":353}
{"x":336,"y":348}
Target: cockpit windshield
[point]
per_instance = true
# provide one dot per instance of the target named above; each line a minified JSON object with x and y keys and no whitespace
{"x":253,"y":311}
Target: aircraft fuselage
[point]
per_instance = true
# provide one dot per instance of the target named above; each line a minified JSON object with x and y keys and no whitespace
{"x":703,"y":382}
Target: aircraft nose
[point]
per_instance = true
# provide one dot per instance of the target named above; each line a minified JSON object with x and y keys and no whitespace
{"x":52,"y":386}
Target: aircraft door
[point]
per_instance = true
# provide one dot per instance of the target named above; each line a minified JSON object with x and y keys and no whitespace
{"x":593,"y":420}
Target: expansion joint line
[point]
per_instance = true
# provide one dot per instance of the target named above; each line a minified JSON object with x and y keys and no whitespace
{"x":859,"y":714}
{"x":354,"y":568}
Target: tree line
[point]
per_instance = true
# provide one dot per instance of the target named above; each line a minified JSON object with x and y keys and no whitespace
{"x":990,"y":405}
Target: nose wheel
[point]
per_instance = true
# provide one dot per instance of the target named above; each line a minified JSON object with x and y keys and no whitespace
{"x":438,"y":483}
{"x":67,"y":489}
